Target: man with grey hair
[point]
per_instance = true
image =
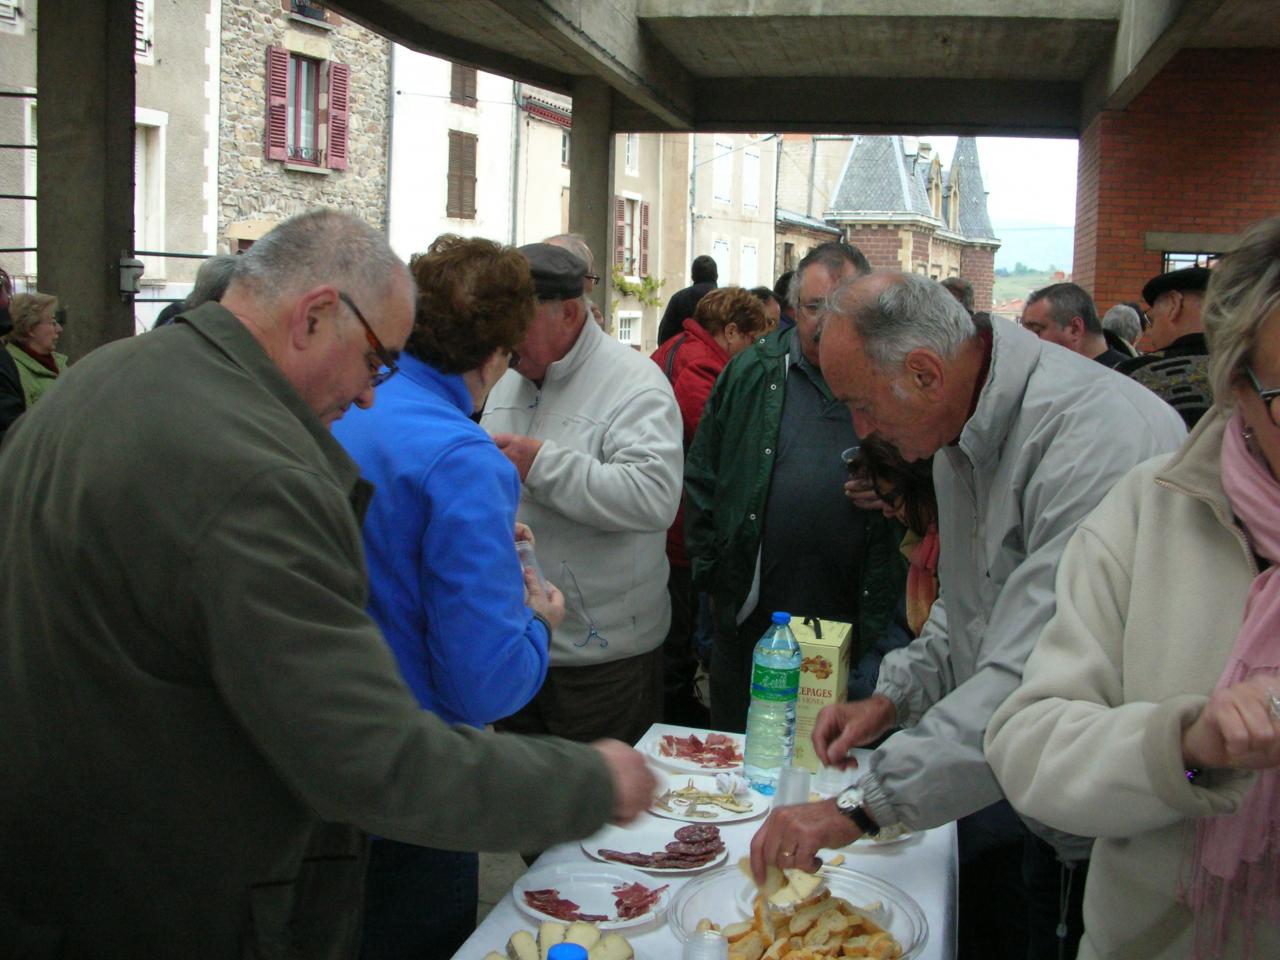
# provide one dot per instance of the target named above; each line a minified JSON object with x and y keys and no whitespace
{"x":1063,"y":313}
{"x":1123,"y":321}
{"x":593,"y":429}
{"x":192,"y":689}
{"x":767,"y":524}
{"x":1028,"y":439}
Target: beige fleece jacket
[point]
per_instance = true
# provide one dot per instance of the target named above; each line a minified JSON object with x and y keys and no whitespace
{"x":1150,"y":597}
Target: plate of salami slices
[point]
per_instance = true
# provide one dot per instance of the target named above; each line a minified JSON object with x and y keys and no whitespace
{"x":607,"y":894}
{"x":659,"y":846}
{"x":708,"y":753}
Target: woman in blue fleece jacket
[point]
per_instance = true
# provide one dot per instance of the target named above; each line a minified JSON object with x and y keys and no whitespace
{"x":446,"y":584}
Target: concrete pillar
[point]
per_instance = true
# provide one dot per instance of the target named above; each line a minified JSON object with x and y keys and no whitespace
{"x":591,"y":183}
{"x":85,"y":86}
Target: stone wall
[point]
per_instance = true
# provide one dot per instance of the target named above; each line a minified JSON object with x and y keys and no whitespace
{"x":255,"y":193}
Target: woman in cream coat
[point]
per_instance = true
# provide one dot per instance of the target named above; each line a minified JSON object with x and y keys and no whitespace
{"x":1148,"y":716}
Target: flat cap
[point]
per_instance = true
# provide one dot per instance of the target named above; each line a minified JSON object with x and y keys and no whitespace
{"x":557,"y":273}
{"x":1188,"y":278}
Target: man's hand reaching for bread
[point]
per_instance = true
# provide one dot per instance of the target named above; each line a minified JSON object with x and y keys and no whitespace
{"x":634,"y":784}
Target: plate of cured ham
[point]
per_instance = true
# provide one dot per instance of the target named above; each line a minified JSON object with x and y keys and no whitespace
{"x":659,"y":846}
{"x":708,"y":753}
{"x":609,"y":895}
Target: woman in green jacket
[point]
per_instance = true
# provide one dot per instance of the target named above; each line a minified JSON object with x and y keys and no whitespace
{"x":35,"y":334}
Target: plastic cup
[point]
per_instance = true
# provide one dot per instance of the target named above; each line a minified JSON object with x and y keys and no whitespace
{"x":707,"y":945}
{"x":529,"y":561}
{"x":850,"y":455}
{"x":793,"y":787}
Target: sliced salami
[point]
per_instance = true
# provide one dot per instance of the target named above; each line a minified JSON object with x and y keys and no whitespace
{"x":634,"y":859}
{"x":698,"y":833}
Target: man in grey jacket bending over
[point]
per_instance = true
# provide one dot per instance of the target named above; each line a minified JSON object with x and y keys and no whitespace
{"x":1028,"y":441}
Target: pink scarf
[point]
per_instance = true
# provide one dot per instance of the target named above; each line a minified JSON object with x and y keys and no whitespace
{"x":1235,"y":868}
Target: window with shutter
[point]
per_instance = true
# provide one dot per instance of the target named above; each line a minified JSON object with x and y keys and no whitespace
{"x":335,"y":155}
{"x":462,"y":86}
{"x":460,"y":198}
{"x":619,"y":231}
{"x":8,"y":14}
{"x":644,"y":239}
{"x":143,"y":31}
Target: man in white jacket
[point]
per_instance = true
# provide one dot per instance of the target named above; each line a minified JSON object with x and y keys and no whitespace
{"x":593,"y":428}
{"x":1029,"y":437}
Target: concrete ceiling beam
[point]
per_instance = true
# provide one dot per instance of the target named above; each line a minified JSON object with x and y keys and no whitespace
{"x":1020,"y":9}
{"x":1150,"y":32}
{"x":607,"y":41}
{"x":869,"y":105}
{"x":404,"y":26}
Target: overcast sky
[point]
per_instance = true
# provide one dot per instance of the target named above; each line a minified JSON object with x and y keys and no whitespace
{"x":1031,"y":187}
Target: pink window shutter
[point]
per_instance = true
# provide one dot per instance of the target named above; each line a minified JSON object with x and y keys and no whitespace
{"x":619,"y":231}
{"x":339,"y":83}
{"x":644,"y":239}
{"x":277,"y":103}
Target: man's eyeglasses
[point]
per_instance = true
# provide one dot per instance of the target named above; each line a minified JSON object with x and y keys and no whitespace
{"x":1268,"y":397}
{"x":386,"y":358}
{"x":591,"y":276}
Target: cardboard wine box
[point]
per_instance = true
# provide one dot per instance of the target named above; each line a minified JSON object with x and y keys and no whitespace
{"x":825,"y":646}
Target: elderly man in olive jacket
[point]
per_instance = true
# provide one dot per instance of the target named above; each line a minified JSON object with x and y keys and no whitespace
{"x":194,"y":704}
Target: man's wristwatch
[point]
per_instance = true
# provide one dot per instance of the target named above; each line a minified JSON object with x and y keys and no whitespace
{"x":849,"y":802}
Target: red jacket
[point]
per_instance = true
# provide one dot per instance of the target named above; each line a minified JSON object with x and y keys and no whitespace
{"x":691,"y":360}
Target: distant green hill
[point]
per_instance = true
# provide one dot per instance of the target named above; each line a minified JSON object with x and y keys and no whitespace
{"x":1019,"y":285}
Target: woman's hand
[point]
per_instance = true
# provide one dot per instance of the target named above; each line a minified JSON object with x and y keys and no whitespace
{"x":1237,"y":729}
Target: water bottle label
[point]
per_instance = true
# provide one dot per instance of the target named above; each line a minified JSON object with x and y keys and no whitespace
{"x":769,"y":683}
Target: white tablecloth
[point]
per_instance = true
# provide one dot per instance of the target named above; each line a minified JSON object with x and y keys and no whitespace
{"x":924,"y":866}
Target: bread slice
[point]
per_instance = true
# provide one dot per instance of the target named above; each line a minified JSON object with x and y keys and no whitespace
{"x":549,"y":934}
{"x":613,"y":946}
{"x":582,"y":933}
{"x":521,"y":946}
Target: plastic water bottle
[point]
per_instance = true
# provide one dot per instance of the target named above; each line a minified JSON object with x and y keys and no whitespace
{"x":771,"y":718}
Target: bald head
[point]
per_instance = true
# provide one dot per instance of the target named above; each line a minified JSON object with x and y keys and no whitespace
{"x":321,"y":246}
{"x":329,"y":302}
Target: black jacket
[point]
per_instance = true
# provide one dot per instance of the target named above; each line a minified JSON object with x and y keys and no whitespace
{"x":11,"y":403}
{"x":680,"y":308}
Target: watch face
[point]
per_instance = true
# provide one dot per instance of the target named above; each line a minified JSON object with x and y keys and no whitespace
{"x":849,"y":799}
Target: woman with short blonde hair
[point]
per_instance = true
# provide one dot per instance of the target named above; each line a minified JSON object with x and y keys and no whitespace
{"x":36,"y":329}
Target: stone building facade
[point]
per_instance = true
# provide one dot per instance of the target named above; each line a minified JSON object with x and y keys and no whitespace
{"x":261,"y":184}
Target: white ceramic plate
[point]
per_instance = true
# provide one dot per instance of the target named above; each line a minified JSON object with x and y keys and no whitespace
{"x":643,"y":836}
{"x":689,"y":766}
{"x":590,"y":886}
{"x":677,"y":781}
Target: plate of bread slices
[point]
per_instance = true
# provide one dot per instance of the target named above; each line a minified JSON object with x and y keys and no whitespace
{"x":599,"y":944}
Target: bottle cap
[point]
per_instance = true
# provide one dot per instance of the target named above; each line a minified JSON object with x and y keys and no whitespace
{"x":780,"y":616}
{"x":567,"y":951}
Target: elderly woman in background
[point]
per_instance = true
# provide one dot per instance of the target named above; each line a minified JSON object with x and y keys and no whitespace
{"x":1149,"y":714}
{"x":35,"y":333}
{"x":468,"y":628}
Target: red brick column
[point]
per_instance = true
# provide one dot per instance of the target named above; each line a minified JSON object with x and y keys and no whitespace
{"x":880,"y":245}
{"x":978,"y":266}
{"x":1197,"y":151}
